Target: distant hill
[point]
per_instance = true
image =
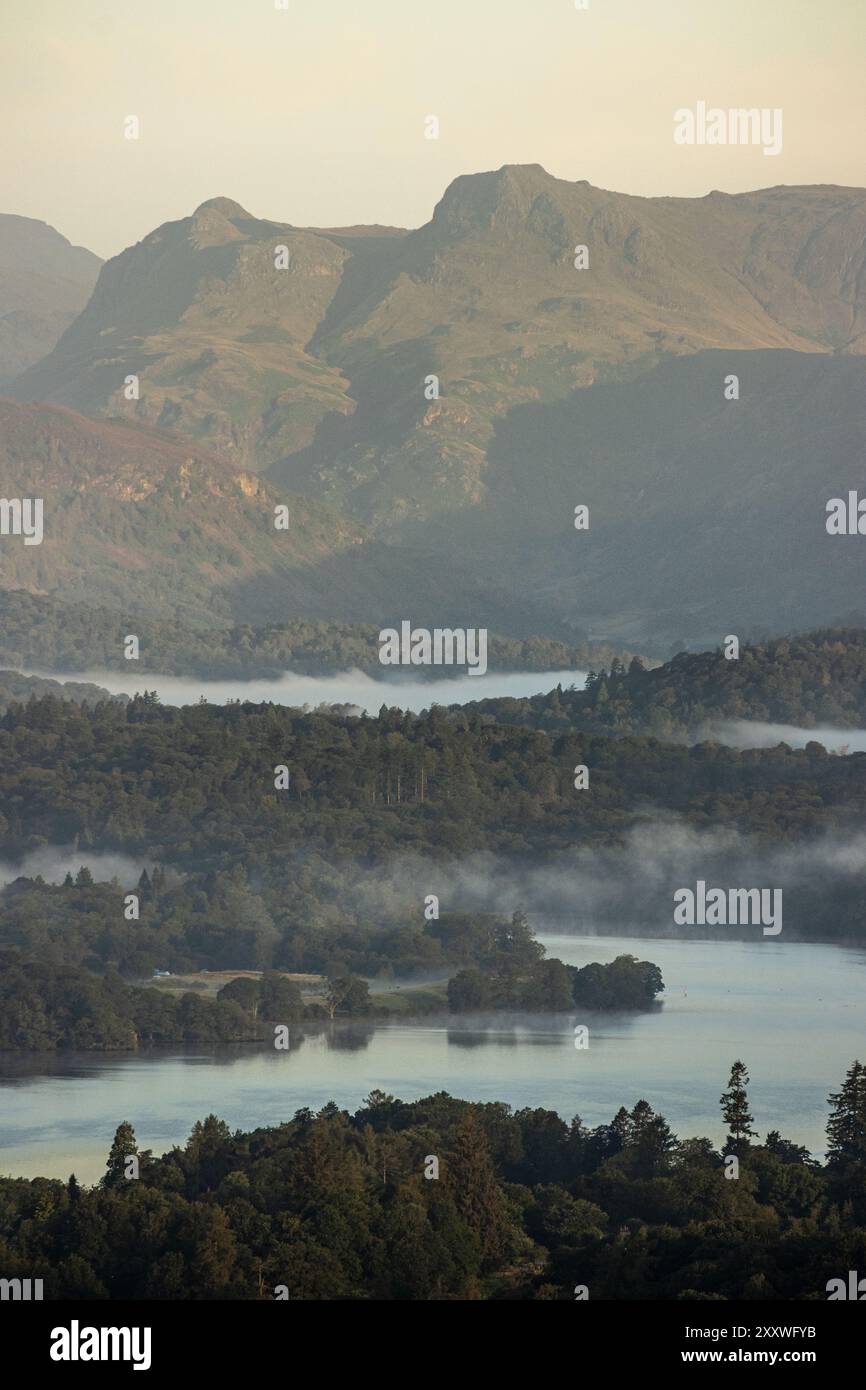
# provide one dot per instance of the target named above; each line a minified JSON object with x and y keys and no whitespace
{"x":41,"y":631}
{"x":216,"y":334}
{"x":18,"y":689}
{"x":487,"y":297}
{"x":44,"y":283}
{"x":332,"y":351}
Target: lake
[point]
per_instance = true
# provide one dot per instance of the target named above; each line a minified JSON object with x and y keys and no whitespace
{"x":795,"y":1013}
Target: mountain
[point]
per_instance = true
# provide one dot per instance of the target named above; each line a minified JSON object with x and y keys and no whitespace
{"x":556,"y":386}
{"x":45,"y":282}
{"x":215,"y":333}
{"x":140,"y":520}
{"x":488,"y":298}
{"x":316,"y":371}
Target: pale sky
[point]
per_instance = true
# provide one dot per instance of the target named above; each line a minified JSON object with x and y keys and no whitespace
{"x":315,"y":114}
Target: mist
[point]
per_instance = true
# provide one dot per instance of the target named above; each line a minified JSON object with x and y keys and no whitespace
{"x":628,"y":889}
{"x":53,"y":864}
{"x":355,"y":689}
{"x":747,"y":733}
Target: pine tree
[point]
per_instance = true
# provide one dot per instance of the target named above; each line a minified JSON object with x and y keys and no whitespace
{"x":472,"y":1183}
{"x":846,"y":1127}
{"x":123,"y":1145}
{"x":735,"y":1110}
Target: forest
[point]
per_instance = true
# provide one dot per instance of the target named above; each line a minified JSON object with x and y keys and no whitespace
{"x":40,"y":631}
{"x":813,"y":679}
{"x":76,"y":983}
{"x":441,"y":1199}
{"x":198,"y":785}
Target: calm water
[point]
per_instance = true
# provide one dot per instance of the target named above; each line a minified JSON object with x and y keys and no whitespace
{"x":795,"y":1013}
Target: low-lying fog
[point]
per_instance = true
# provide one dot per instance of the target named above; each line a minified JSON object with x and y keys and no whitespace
{"x":747,"y":733}
{"x":621,"y":888}
{"x":353,"y":688}
{"x":53,"y":864}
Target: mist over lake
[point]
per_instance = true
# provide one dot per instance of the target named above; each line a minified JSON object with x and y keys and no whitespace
{"x":353,"y":688}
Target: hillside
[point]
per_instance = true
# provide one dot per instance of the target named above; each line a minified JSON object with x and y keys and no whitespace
{"x":332,"y":350}
{"x":18,"y":689}
{"x":818,"y":678}
{"x":557,"y":386}
{"x":487,"y":297}
{"x":45,"y":282}
{"x":142,"y":521}
{"x":216,"y":334}
{"x":41,"y":632}
{"x":707,"y":516}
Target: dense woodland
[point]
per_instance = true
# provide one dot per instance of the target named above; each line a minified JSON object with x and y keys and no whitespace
{"x":304,"y":878}
{"x":196,"y":785}
{"x":518,"y":1205}
{"x":69,"y":963}
{"x":819,"y":678}
{"x":40,"y":632}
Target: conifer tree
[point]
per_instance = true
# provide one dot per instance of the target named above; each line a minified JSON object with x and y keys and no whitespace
{"x":846,"y":1127}
{"x":735,"y":1110}
{"x":123,"y":1145}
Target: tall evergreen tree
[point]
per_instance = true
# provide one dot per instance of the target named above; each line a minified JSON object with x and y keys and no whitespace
{"x":472,"y":1181}
{"x":123,"y":1145}
{"x":846,"y":1127}
{"x":735,"y":1110}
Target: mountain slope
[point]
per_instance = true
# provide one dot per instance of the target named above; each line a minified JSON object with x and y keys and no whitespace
{"x":558,"y":386}
{"x":214,"y":331}
{"x":137,"y":519}
{"x":316,"y":372}
{"x":44,"y":283}
{"x":487,"y":297}
{"x":707,"y":516}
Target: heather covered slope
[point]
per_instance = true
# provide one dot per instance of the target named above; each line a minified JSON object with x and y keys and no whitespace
{"x":143,"y":521}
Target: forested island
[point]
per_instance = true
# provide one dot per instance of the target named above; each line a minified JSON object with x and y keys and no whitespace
{"x":442,"y":1199}
{"x":62,"y":991}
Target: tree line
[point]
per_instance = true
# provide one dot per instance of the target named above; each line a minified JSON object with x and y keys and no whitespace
{"x":441,"y":1199}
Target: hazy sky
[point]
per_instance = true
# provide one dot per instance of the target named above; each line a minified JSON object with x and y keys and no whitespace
{"x":315,"y":114}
